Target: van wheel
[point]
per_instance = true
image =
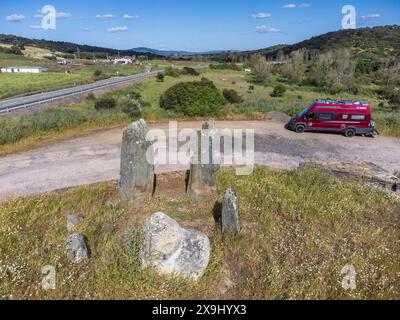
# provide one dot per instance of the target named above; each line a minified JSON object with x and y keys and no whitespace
{"x":350,"y":133}
{"x":300,"y":129}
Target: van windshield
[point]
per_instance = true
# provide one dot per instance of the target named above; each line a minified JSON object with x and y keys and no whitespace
{"x":304,"y":112}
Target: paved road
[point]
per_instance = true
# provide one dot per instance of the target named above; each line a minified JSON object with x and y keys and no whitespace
{"x":32,"y":100}
{"x":96,"y":157}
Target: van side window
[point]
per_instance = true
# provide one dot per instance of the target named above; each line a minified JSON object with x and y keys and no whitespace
{"x":359,"y":117}
{"x":345,"y":117}
{"x":326,"y":116}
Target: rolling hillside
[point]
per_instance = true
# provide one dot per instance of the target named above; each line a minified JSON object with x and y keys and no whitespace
{"x":379,"y":41}
{"x":70,"y":48}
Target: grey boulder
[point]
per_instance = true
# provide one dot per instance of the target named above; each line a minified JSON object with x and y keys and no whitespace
{"x":170,"y":249}
{"x":73,"y":221}
{"x":77,"y":248}
{"x":230,"y":213}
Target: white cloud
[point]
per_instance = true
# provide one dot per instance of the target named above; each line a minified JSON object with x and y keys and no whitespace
{"x":127,"y":16}
{"x":59,"y":15}
{"x":371,"y":16}
{"x":294,"y":6}
{"x":15,"y":18}
{"x":105,"y":16}
{"x":63,"y":15}
{"x":35,"y":27}
{"x":266,"y":29}
{"x":117,"y":29}
{"x":261,"y":15}
{"x":86,"y":29}
{"x":290,"y":6}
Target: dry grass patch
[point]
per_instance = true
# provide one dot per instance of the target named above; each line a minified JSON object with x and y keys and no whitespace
{"x":299,"y":229}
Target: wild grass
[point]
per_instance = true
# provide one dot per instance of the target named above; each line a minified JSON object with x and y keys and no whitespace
{"x":66,"y":120}
{"x":31,"y":129}
{"x":12,"y":84}
{"x":299,"y":229}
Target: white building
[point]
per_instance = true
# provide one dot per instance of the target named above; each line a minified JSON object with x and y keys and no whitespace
{"x":24,"y":69}
{"x":124,"y":60}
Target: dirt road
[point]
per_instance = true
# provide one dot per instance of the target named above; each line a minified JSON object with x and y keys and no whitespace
{"x":94,"y":158}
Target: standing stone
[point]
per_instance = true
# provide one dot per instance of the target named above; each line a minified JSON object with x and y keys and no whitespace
{"x":73,"y":221}
{"x":137,"y":174}
{"x":230,"y":213}
{"x":170,"y":249}
{"x":77,"y":248}
{"x":202,"y":180}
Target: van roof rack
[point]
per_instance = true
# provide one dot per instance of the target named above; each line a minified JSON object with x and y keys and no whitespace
{"x":346,"y":102}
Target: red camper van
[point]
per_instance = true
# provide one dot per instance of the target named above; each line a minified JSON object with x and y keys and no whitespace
{"x":344,"y":116}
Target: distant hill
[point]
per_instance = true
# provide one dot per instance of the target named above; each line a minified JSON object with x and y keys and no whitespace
{"x":379,"y":41}
{"x":178,"y":52}
{"x":71,"y":48}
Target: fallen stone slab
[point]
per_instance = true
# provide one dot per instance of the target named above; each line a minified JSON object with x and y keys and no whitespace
{"x":171,"y":249}
{"x":77,"y":248}
{"x":359,"y":170}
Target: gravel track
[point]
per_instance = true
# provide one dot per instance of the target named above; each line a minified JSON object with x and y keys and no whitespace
{"x":95,"y":157}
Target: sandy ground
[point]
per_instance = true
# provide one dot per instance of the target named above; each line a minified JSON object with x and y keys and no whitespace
{"x":96,"y":157}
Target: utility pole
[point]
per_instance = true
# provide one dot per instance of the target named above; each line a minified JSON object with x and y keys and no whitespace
{"x":78,"y":52}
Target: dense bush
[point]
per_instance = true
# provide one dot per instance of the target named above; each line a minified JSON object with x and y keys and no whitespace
{"x":197,"y":98}
{"x":392,"y":94}
{"x":189,"y":71}
{"x":91,"y":97}
{"x":160,"y":77}
{"x":105,"y":103}
{"x":172,"y":72}
{"x":279,"y":91}
{"x":225,"y":66}
{"x":15,"y":50}
{"x":232,"y":96}
{"x":130,"y":105}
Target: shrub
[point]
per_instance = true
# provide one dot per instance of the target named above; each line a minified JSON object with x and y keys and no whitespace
{"x":130,"y":105}
{"x":189,"y":71}
{"x":16,"y":50}
{"x":160,"y":77}
{"x":232,"y":96}
{"x":251,"y":87}
{"x":225,"y":66}
{"x":279,"y":91}
{"x":105,"y":103}
{"x":392,"y":94}
{"x":97,"y":73}
{"x":172,"y":72}
{"x":197,"y":98}
{"x":91,"y":97}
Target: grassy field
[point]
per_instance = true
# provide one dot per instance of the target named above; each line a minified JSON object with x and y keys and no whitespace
{"x":16,"y":84}
{"x":33,"y":129}
{"x":299,"y":229}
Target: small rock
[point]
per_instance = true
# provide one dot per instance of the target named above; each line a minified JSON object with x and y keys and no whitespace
{"x":77,"y":248}
{"x":170,"y":249}
{"x":73,"y":221}
{"x":230,"y":213}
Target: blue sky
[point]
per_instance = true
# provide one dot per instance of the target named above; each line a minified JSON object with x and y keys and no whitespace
{"x":190,"y":25}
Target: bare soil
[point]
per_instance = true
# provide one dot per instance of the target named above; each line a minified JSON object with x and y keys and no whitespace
{"x":96,"y":157}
